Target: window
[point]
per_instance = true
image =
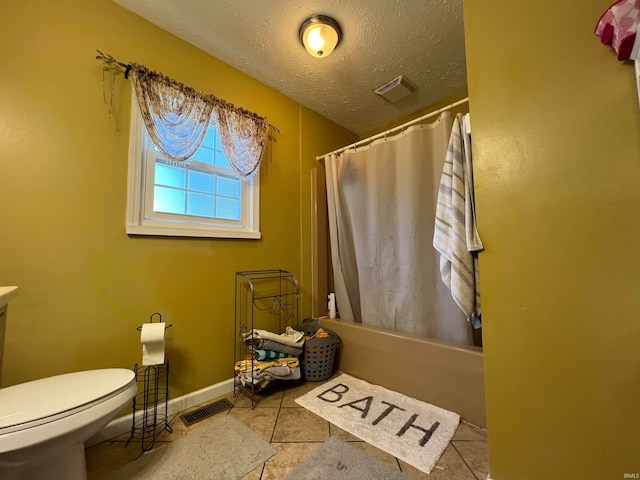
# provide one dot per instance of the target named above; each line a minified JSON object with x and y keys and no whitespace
{"x":202,"y":197}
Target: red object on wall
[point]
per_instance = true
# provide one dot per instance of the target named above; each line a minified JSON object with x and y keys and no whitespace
{"x":618,"y":26}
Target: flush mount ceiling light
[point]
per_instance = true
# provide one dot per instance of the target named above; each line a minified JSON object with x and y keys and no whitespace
{"x":320,"y":35}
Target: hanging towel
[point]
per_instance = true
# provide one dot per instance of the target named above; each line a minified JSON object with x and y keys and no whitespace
{"x":474,"y":244}
{"x":455,"y":235}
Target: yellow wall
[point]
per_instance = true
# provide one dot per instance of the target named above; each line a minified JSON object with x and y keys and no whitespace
{"x":84,"y":284}
{"x":556,"y":139}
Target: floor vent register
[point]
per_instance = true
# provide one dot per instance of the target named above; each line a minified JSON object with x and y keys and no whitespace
{"x":205,"y":411}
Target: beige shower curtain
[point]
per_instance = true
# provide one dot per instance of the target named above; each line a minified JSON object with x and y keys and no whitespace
{"x":381,"y":201}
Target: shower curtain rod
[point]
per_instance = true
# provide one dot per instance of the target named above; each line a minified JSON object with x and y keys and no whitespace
{"x":394,"y":129}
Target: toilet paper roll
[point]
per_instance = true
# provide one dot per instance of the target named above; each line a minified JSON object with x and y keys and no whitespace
{"x":152,"y":339}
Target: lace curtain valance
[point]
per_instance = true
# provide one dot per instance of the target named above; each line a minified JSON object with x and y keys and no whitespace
{"x":177,"y":116}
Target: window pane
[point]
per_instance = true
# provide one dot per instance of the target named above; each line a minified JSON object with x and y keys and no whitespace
{"x":229,"y":187}
{"x":202,"y":182}
{"x":204,"y":155}
{"x":200,"y":205}
{"x":218,"y":145}
{"x":168,"y":200}
{"x":210,"y":138}
{"x":228,"y":208}
{"x":170,"y":176}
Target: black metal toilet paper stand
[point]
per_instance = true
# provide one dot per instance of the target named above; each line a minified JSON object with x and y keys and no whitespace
{"x":150,"y":405}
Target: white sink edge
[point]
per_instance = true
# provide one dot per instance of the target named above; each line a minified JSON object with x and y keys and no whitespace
{"x":7,"y":294}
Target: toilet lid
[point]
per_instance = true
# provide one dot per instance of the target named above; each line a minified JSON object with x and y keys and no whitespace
{"x":40,"y":401}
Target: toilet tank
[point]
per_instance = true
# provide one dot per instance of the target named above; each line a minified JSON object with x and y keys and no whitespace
{"x":6,"y":295}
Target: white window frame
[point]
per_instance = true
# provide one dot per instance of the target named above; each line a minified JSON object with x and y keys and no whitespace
{"x":142,"y":220}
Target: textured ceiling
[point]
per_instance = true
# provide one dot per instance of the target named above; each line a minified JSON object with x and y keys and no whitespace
{"x":420,"y":39}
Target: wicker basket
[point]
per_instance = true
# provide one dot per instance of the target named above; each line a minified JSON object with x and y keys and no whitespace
{"x":319,"y":353}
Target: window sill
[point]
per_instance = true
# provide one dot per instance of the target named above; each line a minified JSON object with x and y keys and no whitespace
{"x":191,"y":232}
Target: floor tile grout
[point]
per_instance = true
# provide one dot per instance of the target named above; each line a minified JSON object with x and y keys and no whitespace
{"x":465,"y":461}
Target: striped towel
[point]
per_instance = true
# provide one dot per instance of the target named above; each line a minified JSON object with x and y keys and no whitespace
{"x":267,"y":354}
{"x":455,"y":235}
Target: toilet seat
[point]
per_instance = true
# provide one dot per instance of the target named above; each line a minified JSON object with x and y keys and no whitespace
{"x":30,"y":404}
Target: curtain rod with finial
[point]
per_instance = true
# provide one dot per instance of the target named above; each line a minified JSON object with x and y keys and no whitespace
{"x":109,"y":60}
{"x":126,"y":67}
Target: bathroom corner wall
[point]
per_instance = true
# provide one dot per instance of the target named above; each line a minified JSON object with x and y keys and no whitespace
{"x":84,"y":284}
{"x":556,"y":140}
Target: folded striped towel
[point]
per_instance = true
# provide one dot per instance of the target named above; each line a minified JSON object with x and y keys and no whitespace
{"x":267,"y":354}
{"x":455,"y":235}
{"x":276,"y":347}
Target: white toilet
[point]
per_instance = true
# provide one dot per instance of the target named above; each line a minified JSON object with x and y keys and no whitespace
{"x":44,"y":423}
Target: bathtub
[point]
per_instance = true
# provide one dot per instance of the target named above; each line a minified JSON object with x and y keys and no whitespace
{"x":449,"y":376}
{"x":446,"y":375}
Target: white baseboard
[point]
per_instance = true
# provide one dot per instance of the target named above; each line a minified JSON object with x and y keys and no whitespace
{"x":123,"y":424}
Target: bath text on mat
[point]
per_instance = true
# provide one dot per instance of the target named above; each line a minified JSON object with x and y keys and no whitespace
{"x":363,"y":405}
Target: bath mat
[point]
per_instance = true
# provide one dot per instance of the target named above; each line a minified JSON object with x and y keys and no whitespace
{"x":224,"y":449}
{"x":339,"y":460}
{"x":411,"y":430}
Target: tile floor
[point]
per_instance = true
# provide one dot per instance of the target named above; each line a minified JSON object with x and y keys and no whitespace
{"x":296,"y":433}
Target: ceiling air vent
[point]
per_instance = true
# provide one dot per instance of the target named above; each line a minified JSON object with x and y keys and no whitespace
{"x":396,"y":89}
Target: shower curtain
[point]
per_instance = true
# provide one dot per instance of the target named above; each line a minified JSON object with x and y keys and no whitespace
{"x":381,"y":201}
